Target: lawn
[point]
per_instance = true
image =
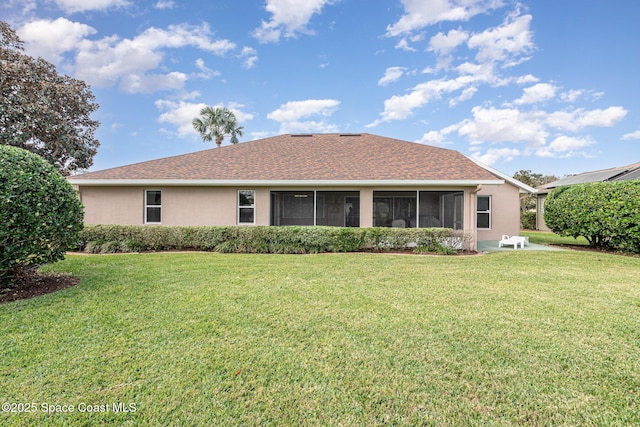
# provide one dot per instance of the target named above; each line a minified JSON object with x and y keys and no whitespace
{"x":549,"y":238}
{"x":514,"y":338}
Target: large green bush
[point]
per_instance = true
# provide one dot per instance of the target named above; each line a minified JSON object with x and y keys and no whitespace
{"x":607,"y":214}
{"x":283,"y":240}
{"x":528,"y":220}
{"x":40,"y":214}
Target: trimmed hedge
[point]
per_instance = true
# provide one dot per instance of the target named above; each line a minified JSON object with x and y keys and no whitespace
{"x":262,"y":239}
{"x":607,"y":214}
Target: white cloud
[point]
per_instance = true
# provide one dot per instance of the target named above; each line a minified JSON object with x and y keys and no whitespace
{"x":481,"y":73}
{"x":443,"y":44}
{"x":288,"y":18}
{"x":205,"y":72}
{"x":71,"y":6}
{"x":51,"y":39}
{"x":503,"y":125}
{"x":165,"y":4}
{"x":434,"y":137}
{"x":523,"y":80}
{"x":631,"y":136}
{"x":492,"y":155}
{"x":236,"y":109}
{"x":506,"y":43}
{"x":295,"y":110}
{"x":310,"y":126}
{"x":537,"y":93}
{"x":25,"y":7}
{"x":128,"y":63}
{"x":578,"y":119}
{"x":466,"y":95}
{"x":249,"y":56}
{"x":110,"y":60}
{"x":565,"y":146}
{"x":422,"y":13}
{"x":149,"y":83}
{"x":571,"y":95}
{"x":290,"y":115}
{"x":510,"y":125}
{"x":181,"y":114}
{"x":400,"y":107}
{"x":391,"y":75}
{"x":403,"y":44}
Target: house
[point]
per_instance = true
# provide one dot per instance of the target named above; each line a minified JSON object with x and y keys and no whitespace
{"x":620,"y":173}
{"x":352,"y":180}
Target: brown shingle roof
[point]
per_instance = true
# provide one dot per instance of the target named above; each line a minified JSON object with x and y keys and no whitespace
{"x":317,"y":157}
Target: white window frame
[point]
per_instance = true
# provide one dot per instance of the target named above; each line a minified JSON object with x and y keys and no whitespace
{"x":147,"y":206}
{"x":488,"y":212}
{"x":239,"y":207}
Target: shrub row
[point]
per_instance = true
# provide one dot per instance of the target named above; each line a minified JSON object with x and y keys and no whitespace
{"x":262,"y":239}
{"x":607,"y":214}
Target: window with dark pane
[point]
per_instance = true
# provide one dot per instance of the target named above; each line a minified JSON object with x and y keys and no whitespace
{"x":153,"y":207}
{"x":484,"y":212}
{"x":246,"y":206}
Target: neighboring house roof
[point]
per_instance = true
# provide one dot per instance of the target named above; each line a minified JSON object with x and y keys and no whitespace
{"x":336,"y":159}
{"x":620,"y":173}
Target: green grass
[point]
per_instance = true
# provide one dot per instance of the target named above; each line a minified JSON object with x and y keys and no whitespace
{"x":516,"y":338}
{"x":548,"y":238}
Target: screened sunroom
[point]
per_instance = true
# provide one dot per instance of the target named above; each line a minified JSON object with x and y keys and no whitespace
{"x":423,"y":209}
{"x":330,"y":208}
{"x":404,"y":209}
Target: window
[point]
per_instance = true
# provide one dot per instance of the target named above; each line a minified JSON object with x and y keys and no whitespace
{"x":153,"y":207}
{"x":484,"y":212}
{"x":246,"y":206}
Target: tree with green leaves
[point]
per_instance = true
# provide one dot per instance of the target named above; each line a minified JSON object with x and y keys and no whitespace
{"x":42,"y":111}
{"x":528,"y":201}
{"x":532,"y":180}
{"x":607,"y":214}
{"x":217,"y":123}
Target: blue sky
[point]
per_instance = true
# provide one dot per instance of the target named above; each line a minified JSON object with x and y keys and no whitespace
{"x":552,"y":87}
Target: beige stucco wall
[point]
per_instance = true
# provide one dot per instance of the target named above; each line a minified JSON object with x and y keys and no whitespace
{"x":366,"y":207}
{"x":199,"y":206}
{"x":505,"y":211}
{"x":112,"y":205}
{"x":218,"y":206}
{"x":540,"y":224}
{"x":180,"y":205}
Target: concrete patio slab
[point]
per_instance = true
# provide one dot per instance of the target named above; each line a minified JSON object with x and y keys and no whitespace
{"x":492,"y":246}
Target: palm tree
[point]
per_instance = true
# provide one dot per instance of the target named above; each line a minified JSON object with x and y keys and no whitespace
{"x":217,"y":123}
